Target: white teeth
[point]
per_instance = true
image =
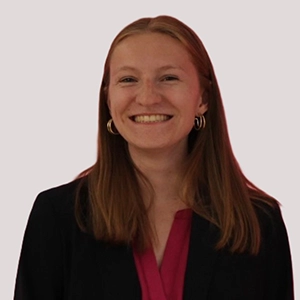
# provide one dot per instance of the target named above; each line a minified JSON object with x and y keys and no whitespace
{"x":151,"y":118}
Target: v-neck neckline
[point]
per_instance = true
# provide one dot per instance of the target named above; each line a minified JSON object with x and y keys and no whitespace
{"x":165,"y":282}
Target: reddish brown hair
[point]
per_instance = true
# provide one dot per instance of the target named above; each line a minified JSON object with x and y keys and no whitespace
{"x":214,"y":185}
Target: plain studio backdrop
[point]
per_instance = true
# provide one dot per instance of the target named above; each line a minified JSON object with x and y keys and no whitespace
{"x":51,"y":63}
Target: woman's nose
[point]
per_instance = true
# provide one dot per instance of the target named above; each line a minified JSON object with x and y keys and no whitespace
{"x":148,"y":94}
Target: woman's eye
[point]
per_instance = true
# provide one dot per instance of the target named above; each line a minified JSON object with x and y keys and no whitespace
{"x":170,"y":78}
{"x":127,"y":80}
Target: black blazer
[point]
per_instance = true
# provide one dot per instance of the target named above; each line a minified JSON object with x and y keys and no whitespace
{"x":59,"y":262}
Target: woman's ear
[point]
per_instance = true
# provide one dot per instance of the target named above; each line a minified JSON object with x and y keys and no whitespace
{"x":108,"y":104}
{"x":202,"y":109}
{"x":203,"y":104}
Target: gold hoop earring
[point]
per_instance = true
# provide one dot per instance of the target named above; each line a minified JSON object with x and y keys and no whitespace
{"x":109,"y":127}
{"x":203,"y":121}
{"x":199,"y":122}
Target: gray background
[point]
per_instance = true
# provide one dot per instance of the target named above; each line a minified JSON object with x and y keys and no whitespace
{"x":51,"y":61}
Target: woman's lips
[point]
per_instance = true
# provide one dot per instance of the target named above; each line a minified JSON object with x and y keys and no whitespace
{"x":150,"y":118}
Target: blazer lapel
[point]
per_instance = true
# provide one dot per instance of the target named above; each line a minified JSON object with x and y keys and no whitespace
{"x":119,"y":275}
{"x":201,"y":259}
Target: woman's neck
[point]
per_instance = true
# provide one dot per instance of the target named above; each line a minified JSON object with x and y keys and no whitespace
{"x":164,"y":170}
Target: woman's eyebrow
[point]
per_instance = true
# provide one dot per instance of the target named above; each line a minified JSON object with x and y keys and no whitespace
{"x":170,"y":67}
{"x":126,"y":68}
{"x":162,"y":68}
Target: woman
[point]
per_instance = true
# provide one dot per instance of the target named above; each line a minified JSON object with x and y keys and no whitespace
{"x":165,"y":212}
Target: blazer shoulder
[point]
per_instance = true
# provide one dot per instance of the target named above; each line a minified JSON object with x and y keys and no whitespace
{"x":61,"y":198}
{"x":269,"y":216}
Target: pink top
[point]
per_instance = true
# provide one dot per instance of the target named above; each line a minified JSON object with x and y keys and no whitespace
{"x":167,"y":282}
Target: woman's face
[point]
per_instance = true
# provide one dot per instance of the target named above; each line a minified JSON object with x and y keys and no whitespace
{"x":154,"y":92}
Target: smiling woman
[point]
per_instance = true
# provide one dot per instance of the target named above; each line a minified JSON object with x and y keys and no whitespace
{"x":154,"y":93}
{"x":165,"y":212}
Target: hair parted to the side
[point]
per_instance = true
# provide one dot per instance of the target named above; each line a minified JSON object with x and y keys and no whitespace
{"x":214,"y":185}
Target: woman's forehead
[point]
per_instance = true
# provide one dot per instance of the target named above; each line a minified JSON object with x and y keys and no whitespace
{"x":149,"y":48}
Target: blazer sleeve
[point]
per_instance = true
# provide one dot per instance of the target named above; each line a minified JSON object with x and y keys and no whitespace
{"x":280,"y":282}
{"x":40,"y":270}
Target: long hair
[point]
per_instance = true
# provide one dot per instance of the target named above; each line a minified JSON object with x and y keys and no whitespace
{"x":213,"y":186}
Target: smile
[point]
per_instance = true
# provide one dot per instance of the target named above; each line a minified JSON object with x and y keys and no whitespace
{"x":150,"y":118}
